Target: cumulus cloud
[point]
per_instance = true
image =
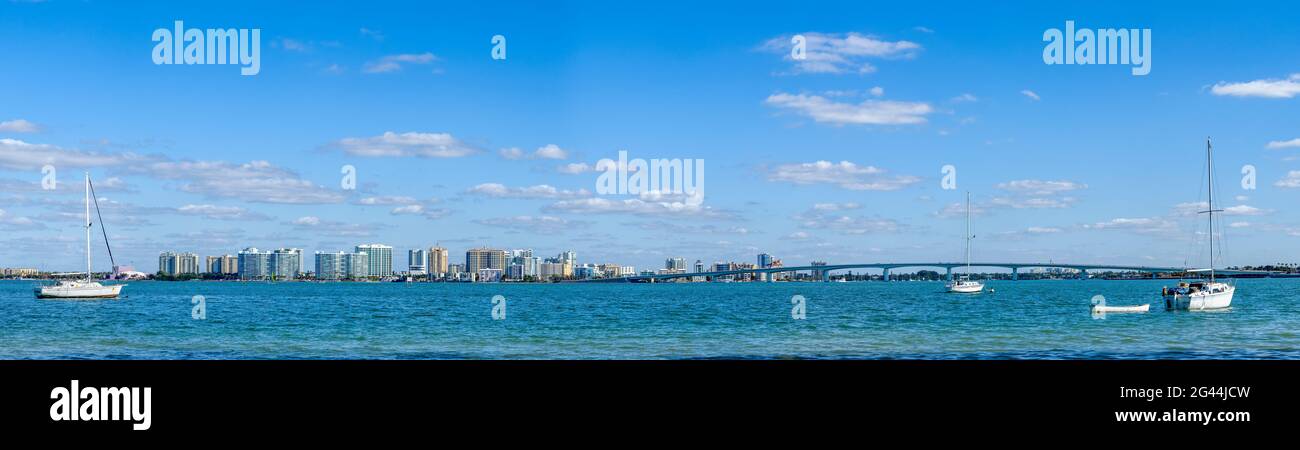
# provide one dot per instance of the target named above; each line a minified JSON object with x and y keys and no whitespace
{"x":1040,"y":187}
{"x":1274,"y":145}
{"x":1290,"y":181}
{"x":839,"y":53}
{"x":220,"y":212}
{"x":498,"y":190}
{"x":394,"y":63}
{"x":1031,"y":94}
{"x":1142,"y":225}
{"x":1266,"y":88}
{"x":549,"y":151}
{"x":420,"y":210}
{"x":1194,"y":208}
{"x":256,"y":181}
{"x":868,"y":112}
{"x":542,"y":224}
{"x":424,"y":145}
{"x":19,"y":126}
{"x":825,"y":218}
{"x":636,"y":206}
{"x":844,"y":174}
{"x":19,"y":155}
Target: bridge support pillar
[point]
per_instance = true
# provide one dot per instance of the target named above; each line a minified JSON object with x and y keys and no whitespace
{"x":1083,"y":274}
{"x":1153,"y":275}
{"x":770,"y":276}
{"x":1015,"y":273}
{"x":885,"y":275}
{"x":949,"y":274}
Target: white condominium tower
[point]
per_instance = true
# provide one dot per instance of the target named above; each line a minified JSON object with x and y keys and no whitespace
{"x":380,"y":259}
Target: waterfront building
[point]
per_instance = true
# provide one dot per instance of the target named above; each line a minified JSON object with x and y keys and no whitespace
{"x":329,"y":266}
{"x":417,"y":261}
{"x":19,"y":272}
{"x":764,"y":260}
{"x":356,"y":265}
{"x":484,"y":258}
{"x":285,"y":263}
{"x":550,"y":270}
{"x":437,"y":261}
{"x":380,"y":263}
{"x":515,"y":271}
{"x":675,"y":265}
{"x":173,"y":264}
{"x":254,"y":264}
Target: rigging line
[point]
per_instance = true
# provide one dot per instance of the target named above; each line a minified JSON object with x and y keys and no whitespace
{"x":101,"y":223}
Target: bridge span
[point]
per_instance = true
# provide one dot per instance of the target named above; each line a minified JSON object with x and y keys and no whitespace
{"x":822,"y":272}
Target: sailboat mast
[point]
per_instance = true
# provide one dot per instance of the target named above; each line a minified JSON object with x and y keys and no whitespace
{"x":88,"y":275}
{"x":968,"y":234}
{"x":1209,"y":176}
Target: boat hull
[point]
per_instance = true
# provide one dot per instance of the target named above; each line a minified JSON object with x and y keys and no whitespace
{"x":1200,"y":301}
{"x":965,"y":288}
{"x":1121,"y":309}
{"x":79,"y":292}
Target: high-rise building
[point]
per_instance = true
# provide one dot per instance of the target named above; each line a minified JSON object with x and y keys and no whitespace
{"x":484,"y":258}
{"x":285,"y":263}
{"x":417,"y":261}
{"x":356,"y":265}
{"x":438,"y":261}
{"x":764,"y":260}
{"x":229,"y":265}
{"x":171,"y":263}
{"x":329,"y":266}
{"x":675,"y":264}
{"x":381,"y":259}
{"x":254,"y":264}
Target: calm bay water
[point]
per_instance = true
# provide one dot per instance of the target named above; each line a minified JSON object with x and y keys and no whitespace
{"x":1022,"y":319}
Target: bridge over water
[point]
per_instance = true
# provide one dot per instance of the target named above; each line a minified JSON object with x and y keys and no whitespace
{"x":822,"y":272}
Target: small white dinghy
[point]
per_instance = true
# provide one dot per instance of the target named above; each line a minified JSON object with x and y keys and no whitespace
{"x":1121,"y":309}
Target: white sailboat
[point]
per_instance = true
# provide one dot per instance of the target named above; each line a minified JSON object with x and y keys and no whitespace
{"x":88,"y":288}
{"x":963,"y":284}
{"x":1202,"y":295}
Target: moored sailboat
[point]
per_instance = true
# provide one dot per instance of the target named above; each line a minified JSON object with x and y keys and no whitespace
{"x":87,"y":288}
{"x":1202,"y":295}
{"x":963,"y":284}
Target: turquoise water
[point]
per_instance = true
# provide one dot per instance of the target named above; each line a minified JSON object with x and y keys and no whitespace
{"x":1022,"y":319}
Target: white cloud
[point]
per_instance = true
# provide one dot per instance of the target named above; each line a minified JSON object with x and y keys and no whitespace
{"x":256,"y":181}
{"x":1273,"y":145}
{"x":637,"y":206}
{"x":836,"y":206}
{"x":1143,"y":225}
{"x":818,"y":218}
{"x":576,"y":168}
{"x":877,"y":91}
{"x":19,"y":126}
{"x":8,"y":220}
{"x":1194,"y":208}
{"x":1267,"y":88}
{"x":1239,"y":224}
{"x":424,"y":145}
{"x":543,"y":224}
{"x":19,"y":155}
{"x":844,"y":174}
{"x":420,"y":210}
{"x":868,"y":112}
{"x":393,"y":63}
{"x":836,"y":53}
{"x":1292,"y":180}
{"x":1040,"y":187}
{"x":385,"y":200}
{"x":220,"y":212}
{"x":1031,"y":94}
{"x":307,"y":221}
{"x":549,"y":151}
{"x":966,"y":97}
{"x":498,"y":190}
{"x":1042,"y":230}
{"x":923,"y":29}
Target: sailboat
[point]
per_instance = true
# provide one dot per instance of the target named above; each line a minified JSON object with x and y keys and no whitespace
{"x":963,"y":284}
{"x":88,"y":288}
{"x":1202,"y":295}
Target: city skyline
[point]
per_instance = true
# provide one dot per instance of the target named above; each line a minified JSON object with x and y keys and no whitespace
{"x":841,"y":158}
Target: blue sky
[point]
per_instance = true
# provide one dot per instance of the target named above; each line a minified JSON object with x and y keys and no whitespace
{"x":837,"y":161}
